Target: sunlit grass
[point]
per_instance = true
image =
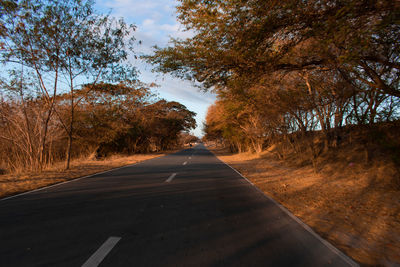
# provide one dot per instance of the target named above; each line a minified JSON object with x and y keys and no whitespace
{"x":353,"y":205}
{"x":16,"y":183}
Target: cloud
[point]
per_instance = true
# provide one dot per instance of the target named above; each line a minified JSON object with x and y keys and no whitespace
{"x":138,"y":10}
{"x":161,"y":33}
{"x":184,"y":90}
{"x":148,"y":23}
{"x":174,"y":89}
{"x":156,"y":24}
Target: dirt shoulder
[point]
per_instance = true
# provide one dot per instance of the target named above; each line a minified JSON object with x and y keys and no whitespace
{"x":11,"y":184}
{"x":348,"y":206}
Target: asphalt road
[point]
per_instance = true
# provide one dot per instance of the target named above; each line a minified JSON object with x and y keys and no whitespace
{"x":183,"y":209}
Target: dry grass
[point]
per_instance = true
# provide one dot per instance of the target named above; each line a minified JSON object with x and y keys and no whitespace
{"x":354,"y":206}
{"x":11,"y":184}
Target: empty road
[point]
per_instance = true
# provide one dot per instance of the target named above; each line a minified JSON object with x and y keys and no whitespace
{"x":183,"y":209}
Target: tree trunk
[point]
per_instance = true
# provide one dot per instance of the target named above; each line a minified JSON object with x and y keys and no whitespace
{"x":69,"y":148}
{"x":70,"y":134}
{"x":43,"y":159}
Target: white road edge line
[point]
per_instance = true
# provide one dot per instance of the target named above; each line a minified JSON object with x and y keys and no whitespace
{"x":102,"y":252}
{"x":171,"y":177}
{"x":305,"y":226}
{"x":184,"y":163}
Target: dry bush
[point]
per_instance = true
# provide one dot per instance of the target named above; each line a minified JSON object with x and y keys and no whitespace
{"x":352,"y":202}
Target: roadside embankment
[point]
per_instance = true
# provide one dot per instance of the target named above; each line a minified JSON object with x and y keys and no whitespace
{"x":352,"y":205}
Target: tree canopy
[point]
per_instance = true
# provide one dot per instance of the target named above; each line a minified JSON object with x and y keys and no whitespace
{"x":252,"y":38}
{"x":286,"y":67}
{"x":67,"y":86}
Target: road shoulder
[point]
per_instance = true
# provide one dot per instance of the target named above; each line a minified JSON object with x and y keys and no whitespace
{"x":15,"y":184}
{"x":328,"y":206}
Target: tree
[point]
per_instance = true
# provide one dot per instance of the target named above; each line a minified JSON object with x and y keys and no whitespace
{"x":187,"y":138}
{"x":107,"y":113}
{"x":285,"y":66}
{"x":65,"y":43}
{"x":251,"y":38}
{"x":165,"y":120}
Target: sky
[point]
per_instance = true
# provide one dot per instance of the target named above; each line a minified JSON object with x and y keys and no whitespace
{"x":156,"y":23}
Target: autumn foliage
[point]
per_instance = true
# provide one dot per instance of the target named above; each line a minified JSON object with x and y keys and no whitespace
{"x":67,"y":88}
{"x":290,"y":73}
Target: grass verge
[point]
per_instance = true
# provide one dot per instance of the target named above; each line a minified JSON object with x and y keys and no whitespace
{"x":348,"y":205}
{"x":12,"y":184}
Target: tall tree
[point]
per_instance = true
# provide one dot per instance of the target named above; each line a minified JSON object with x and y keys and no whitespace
{"x":236,"y":38}
{"x":65,"y":43}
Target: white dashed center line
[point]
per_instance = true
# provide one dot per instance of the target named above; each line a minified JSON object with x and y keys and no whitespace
{"x":102,"y":252}
{"x":170,"y":178}
{"x":184,"y":163}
